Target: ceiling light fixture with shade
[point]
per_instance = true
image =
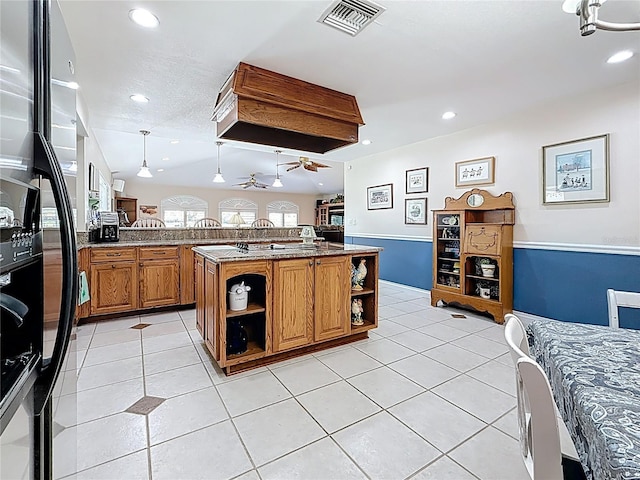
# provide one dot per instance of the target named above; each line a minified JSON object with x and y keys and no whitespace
{"x":218,"y":178}
{"x":144,"y":169}
{"x":588,"y":10}
{"x":277,"y":183}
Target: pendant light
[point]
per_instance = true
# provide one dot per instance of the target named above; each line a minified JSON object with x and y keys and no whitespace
{"x":144,"y":170}
{"x":277,"y":183}
{"x":218,"y":178}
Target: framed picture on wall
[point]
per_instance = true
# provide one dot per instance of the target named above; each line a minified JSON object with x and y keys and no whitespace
{"x":417,"y":180}
{"x":380,"y":197}
{"x":93,"y":178}
{"x":576,"y":171}
{"x":415,"y":211}
{"x":475,"y":172}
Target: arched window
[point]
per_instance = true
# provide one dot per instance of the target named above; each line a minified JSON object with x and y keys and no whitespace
{"x":283,"y":214}
{"x":235,"y":212}
{"x":183,"y":210}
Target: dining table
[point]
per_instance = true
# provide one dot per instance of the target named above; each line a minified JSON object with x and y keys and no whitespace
{"x":594,"y":373}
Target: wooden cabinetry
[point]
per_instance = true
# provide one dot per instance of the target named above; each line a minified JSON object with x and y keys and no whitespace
{"x":187,"y":275}
{"x":129,"y":206}
{"x":367,"y":298}
{"x":200,"y":293}
{"x":159,"y":276}
{"x":292,"y":303}
{"x":130,"y":278}
{"x":295,"y":305}
{"x":325,"y":212}
{"x":331,"y":291}
{"x":211,"y":334}
{"x":113,"y":280}
{"x":472,"y":232}
{"x":255,"y":320}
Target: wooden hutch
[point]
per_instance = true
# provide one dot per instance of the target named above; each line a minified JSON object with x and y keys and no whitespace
{"x":472,"y":232}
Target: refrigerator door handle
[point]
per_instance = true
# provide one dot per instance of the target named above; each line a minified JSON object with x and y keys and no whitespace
{"x":47,"y":165}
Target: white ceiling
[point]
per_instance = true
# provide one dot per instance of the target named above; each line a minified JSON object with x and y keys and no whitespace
{"x":481,"y":59}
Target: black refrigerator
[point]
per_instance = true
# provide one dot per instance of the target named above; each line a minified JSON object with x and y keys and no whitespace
{"x":38,"y":258}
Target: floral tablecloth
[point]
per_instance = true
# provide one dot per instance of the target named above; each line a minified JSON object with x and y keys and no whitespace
{"x":594,"y":372}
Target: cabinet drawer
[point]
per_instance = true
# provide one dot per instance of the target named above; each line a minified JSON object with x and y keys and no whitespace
{"x":483,"y":239}
{"x":149,"y":253}
{"x":107,"y":254}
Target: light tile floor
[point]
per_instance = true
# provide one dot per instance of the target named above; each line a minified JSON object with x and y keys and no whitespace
{"x":427,"y":396}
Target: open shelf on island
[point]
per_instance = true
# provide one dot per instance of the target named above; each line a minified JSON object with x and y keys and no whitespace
{"x":253,"y":351}
{"x":368,"y":325}
{"x":364,"y":291}
{"x":251,"y":309}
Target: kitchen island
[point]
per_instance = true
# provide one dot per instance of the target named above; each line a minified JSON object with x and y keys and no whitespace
{"x":300,"y":300}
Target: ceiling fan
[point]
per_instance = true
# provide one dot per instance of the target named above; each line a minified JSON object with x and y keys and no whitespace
{"x":307,"y":163}
{"x":252,"y":182}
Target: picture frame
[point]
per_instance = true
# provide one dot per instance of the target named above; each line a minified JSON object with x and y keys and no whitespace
{"x":479,"y":171}
{"x":417,"y":180}
{"x":576,"y":171}
{"x":380,"y":197}
{"x":93,"y":178}
{"x":415,"y":211}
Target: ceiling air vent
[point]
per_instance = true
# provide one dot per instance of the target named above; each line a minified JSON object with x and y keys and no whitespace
{"x":351,"y":16}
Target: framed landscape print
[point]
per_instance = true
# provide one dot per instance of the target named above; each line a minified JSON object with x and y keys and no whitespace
{"x":380,"y":197}
{"x":475,"y":172}
{"x":417,"y":180}
{"x":576,"y":171}
{"x":415,"y":211}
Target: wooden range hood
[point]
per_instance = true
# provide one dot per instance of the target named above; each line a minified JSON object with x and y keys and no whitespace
{"x":259,"y":106}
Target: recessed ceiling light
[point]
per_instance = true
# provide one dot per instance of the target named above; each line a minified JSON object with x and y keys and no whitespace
{"x":161,"y":169}
{"x":620,"y":56}
{"x":137,"y":97}
{"x":448,"y":115}
{"x":174,"y":141}
{"x":165,"y":158}
{"x":320,"y":183}
{"x":144,"y":18}
{"x":366,"y":142}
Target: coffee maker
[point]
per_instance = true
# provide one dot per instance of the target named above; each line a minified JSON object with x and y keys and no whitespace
{"x":106,"y":228}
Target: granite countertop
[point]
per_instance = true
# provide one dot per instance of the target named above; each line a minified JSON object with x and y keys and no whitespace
{"x":229,"y":253}
{"x":189,"y":241}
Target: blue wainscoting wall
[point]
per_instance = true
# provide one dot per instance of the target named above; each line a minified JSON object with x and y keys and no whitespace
{"x":565,"y":285}
{"x":402,"y":261}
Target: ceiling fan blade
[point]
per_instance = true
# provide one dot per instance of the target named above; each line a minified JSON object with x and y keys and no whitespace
{"x":246,"y":186}
{"x":310,"y":167}
{"x":320,"y":165}
{"x":292,"y":168}
{"x":291,"y":163}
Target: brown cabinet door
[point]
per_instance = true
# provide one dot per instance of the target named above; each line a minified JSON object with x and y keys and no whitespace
{"x":114,"y":287}
{"x":199,"y":294}
{"x":211,"y":337}
{"x":292,"y":303}
{"x":159,"y":283}
{"x":187,"y":276}
{"x":332,"y":292}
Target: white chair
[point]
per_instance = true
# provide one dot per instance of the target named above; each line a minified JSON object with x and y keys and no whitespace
{"x":148,"y":222}
{"x":558,"y":435}
{"x":617,"y":298}
{"x":516,"y":337}
{"x":262,"y":222}
{"x":207,"y":223}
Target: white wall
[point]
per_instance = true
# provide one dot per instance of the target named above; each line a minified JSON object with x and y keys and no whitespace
{"x":149,"y":193}
{"x":88,"y":151}
{"x":517,"y":144}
